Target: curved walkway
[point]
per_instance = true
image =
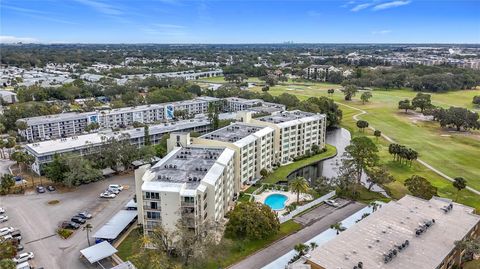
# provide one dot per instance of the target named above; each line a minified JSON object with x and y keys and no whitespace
{"x":438,"y":172}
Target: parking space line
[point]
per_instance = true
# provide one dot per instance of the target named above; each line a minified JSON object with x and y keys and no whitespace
{"x":36,"y":240}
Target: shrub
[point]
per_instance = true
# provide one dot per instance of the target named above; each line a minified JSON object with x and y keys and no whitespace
{"x":64,"y":233}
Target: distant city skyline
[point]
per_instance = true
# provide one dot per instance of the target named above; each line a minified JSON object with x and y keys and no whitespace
{"x":236,"y":22}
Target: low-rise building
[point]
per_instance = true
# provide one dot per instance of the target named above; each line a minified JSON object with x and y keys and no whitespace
{"x":191,"y":183}
{"x":404,"y":234}
{"x":240,"y":104}
{"x":86,"y":144}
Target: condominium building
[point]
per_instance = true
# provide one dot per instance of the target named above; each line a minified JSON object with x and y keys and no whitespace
{"x":296,"y":132}
{"x":253,"y":145}
{"x":90,"y":143}
{"x":404,"y":234}
{"x":68,"y":124}
{"x":192,"y":183}
{"x":240,"y":104}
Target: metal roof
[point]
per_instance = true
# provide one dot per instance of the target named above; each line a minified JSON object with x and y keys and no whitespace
{"x":116,"y":224}
{"x":98,"y":252}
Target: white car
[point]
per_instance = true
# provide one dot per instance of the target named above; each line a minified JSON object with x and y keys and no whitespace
{"x":116,"y":186}
{"x":114,"y":191}
{"x":23,"y":257}
{"x":107,"y":195}
{"x":3,"y":218}
{"x":6,"y":230}
{"x":2,"y":210}
{"x":331,"y":203}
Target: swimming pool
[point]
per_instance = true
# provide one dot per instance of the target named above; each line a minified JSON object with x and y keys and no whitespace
{"x":276,"y":201}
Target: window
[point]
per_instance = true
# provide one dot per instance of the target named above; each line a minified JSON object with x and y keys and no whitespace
{"x":153,"y":215}
{"x":152,"y":195}
{"x":153,"y":205}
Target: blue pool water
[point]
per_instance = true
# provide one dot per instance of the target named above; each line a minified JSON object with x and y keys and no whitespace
{"x":276,"y":201}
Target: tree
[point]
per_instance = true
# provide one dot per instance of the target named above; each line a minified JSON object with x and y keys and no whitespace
{"x":88,"y":228}
{"x":366,"y":96}
{"x":470,"y":247}
{"x":264,"y":172}
{"x":301,"y":249}
{"x":405,"y":104}
{"x":195,"y":89}
{"x":476,"y":100}
{"x":7,"y":249}
{"x":299,"y":185}
{"x":422,"y":101}
{"x":459,"y":183}
{"x":362,"y":124}
{"x":349,"y":91}
{"x":457,"y":117}
{"x":146,"y":133}
{"x":331,"y":91}
{"x":251,"y":221}
{"x":55,"y":170}
{"x":377,"y":134}
{"x":21,"y":125}
{"x":7,"y":264}
{"x":213,"y":112}
{"x":338,"y":227}
{"x":7,"y":183}
{"x":92,"y":126}
{"x":19,"y":157}
{"x":313,"y":245}
{"x":362,"y":154}
{"x":379,"y":176}
{"x":420,"y":187}
{"x":265,"y":88}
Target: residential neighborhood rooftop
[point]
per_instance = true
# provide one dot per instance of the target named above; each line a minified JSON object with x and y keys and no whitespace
{"x":232,"y":133}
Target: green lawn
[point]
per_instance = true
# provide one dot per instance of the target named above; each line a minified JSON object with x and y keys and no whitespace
{"x":234,"y":252}
{"x":222,"y":80}
{"x":472,"y":265}
{"x":455,"y":154}
{"x":282,"y":172}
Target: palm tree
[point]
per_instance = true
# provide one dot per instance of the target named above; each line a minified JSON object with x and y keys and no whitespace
{"x":88,"y":227}
{"x":459,"y":183}
{"x":313,"y":245}
{"x":299,"y":185}
{"x":338,"y":226}
{"x":302,"y":249}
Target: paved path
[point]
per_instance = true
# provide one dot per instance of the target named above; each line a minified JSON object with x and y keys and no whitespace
{"x":328,"y":217}
{"x":389,"y":139}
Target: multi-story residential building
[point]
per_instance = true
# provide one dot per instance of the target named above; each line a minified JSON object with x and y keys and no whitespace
{"x":296,"y":132}
{"x":317,"y":72}
{"x":68,"y":124}
{"x":404,"y":234}
{"x":239,"y":104}
{"x":90,"y":143}
{"x":191,"y":183}
{"x":253,"y":145}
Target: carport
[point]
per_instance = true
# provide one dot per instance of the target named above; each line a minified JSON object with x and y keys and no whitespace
{"x":115,"y":226}
{"x":98,"y":252}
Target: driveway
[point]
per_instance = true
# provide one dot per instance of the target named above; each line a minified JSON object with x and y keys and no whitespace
{"x":38,"y":221}
{"x":317,"y":224}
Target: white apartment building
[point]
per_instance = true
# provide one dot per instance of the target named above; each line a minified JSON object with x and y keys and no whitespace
{"x":253,"y":144}
{"x":239,"y":104}
{"x":192,"y":183}
{"x":68,"y":124}
{"x":296,"y":132}
{"x":81,"y":145}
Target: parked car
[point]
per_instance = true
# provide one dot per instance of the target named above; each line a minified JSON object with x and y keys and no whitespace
{"x":40,"y":189}
{"x":79,"y":216}
{"x":116,"y":186}
{"x":17,"y":235}
{"x":6,"y":230}
{"x":85,"y":215}
{"x":70,"y":225}
{"x":51,"y":188}
{"x":114,"y":191}
{"x":107,"y":195}
{"x":3,"y":218}
{"x":331,"y":203}
{"x":23,"y":257}
{"x":78,"y":220}
{"x":20,"y":247}
{"x":2,"y":210}
{"x":24,"y":265}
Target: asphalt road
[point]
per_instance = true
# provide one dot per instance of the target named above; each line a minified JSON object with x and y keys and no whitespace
{"x":319,"y":220}
{"x":38,"y":221}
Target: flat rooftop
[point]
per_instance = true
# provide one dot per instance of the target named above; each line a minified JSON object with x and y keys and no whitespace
{"x":186,"y":165}
{"x":82,"y":141}
{"x":390,"y":226}
{"x":232,"y":133}
{"x":286,"y":116}
{"x":57,"y":117}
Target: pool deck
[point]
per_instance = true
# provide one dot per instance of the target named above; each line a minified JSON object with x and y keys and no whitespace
{"x":291,"y":197}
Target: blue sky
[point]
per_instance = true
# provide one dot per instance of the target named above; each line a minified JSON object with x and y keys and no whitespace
{"x":240,"y":21}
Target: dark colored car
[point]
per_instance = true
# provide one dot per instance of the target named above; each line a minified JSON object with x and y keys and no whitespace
{"x":78,"y":220}
{"x":70,"y":225}
{"x":51,"y":188}
{"x":40,"y":189}
{"x":17,"y":235}
{"x":85,"y":215}
{"x":20,"y":247}
{"x":79,"y":216}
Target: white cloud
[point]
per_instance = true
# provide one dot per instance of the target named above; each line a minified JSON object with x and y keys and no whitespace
{"x":102,"y":7}
{"x":15,"y":39}
{"x":360,"y":7}
{"x":392,"y":4}
{"x":381,"y":32}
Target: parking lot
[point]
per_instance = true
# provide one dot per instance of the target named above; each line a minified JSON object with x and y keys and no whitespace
{"x":38,"y":221}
